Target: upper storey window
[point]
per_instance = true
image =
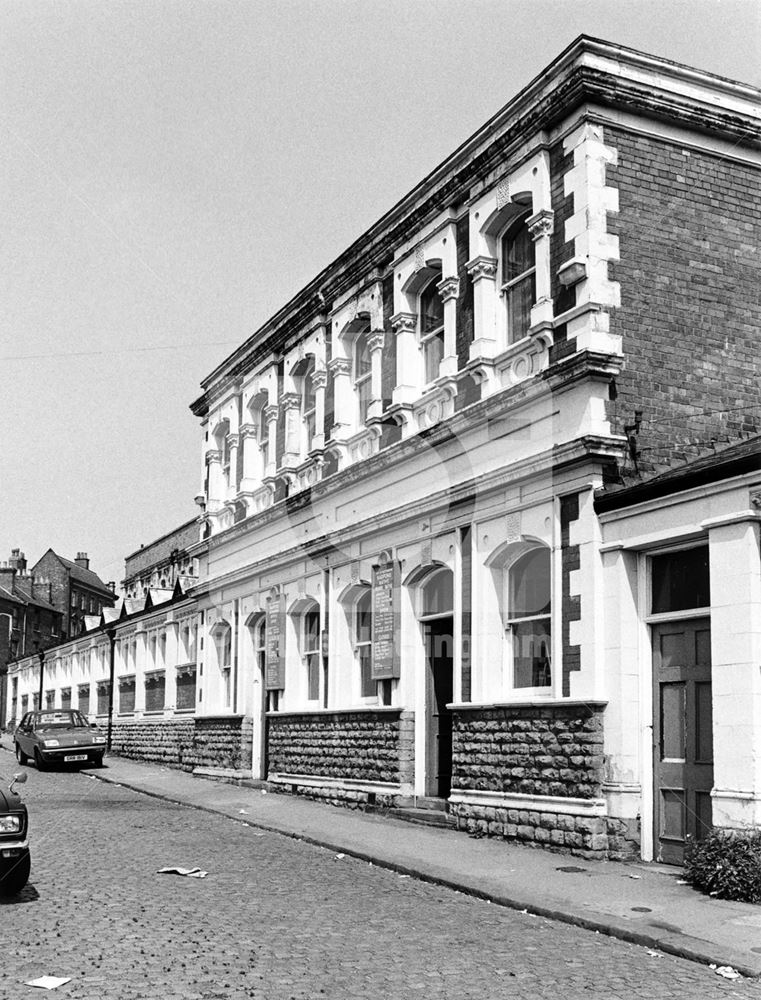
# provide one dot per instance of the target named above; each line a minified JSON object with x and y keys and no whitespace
{"x":361,"y":373}
{"x":263,"y":437}
{"x":431,"y":328}
{"x":309,"y":405}
{"x":518,"y":278}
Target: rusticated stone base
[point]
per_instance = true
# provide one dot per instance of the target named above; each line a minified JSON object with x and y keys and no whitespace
{"x":600,"y":837}
{"x":363,"y":745}
{"x":350,"y":798}
{"x":186,"y":743}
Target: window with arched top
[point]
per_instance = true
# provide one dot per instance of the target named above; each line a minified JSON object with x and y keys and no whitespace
{"x":518,"y":278}
{"x":529,"y":618}
{"x":362,"y":372}
{"x":431,"y":321}
{"x":263,"y":437}
{"x":362,"y":641}
{"x":309,"y":648}
{"x":308,"y":405}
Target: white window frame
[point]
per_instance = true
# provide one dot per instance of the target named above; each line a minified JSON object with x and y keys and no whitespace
{"x":507,"y":287}
{"x":511,"y":621}
{"x":427,"y":338}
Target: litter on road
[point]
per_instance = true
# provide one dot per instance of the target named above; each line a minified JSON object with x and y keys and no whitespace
{"x":654,"y":954}
{"x":726,"y":971}
{"x":243,"y":812}
{"x":48,"y":982}
{"x":339,"y":857}
{"x":189,"y":872}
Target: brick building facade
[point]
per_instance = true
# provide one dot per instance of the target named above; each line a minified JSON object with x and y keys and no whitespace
{"x":74,"y":589}
{"x":428,"y":569}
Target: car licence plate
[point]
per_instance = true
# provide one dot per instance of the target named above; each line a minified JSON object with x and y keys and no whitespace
{"x":76,"y":756}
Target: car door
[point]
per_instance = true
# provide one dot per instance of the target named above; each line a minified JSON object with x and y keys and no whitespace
{"x":22,"y":735}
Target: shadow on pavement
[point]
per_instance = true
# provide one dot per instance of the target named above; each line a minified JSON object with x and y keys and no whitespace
{"x":27,"y":895}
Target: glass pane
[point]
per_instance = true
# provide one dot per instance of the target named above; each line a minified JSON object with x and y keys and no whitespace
{"x":311,"y":630}
{"x":520,"y":299}
{"x":703,"y":724}
{"x":672,"y":813}
{"x":517,"y":253}
{"x":367,"y":684}
{"x":703,"y":647}
{"x":362,"y":362}
{"x":672,"y":650}
{"x":531,"y":653}
{"x":438,"y":594}
{"x":672,"y":721}
{"x":364,"y":395}
{"x":364,"y":619}
{"x":431,"y":308}
{"x":313,"y":677}
{"x":680,"y":580}
{"x":530,"y":592}
{"x":433,"y":352}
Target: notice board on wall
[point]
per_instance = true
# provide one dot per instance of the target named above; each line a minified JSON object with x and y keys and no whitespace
{"x":275,"y":642}
{"x":386,"y":623}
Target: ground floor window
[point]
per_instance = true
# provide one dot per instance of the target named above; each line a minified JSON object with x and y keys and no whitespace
{"x":155,"y":689}
{"x":310,"y":650}
{"x":66,"y":698}
{"x":186,"y":689}
{"x":84,"y":699}
{"x":528,"y":622}
{"x":127,"y":694}
{"x":103,"y":689}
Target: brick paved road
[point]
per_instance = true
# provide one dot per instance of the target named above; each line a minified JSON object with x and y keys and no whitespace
{"x":278,"y":919}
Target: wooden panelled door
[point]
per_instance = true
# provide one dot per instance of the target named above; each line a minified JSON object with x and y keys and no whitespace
{"x":682,"y":735}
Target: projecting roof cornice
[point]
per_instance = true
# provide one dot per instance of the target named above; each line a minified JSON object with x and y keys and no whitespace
{"x":589,"y":70}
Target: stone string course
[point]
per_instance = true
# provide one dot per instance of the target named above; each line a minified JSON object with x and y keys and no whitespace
{"x":186,"y":742}
{"x":359,"y":746}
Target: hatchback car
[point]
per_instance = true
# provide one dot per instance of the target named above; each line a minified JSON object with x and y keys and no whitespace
{"x":58,"y":736}
{"x":15,"y":860}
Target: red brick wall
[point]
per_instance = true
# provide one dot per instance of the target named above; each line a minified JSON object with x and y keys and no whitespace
{"x":690,"y":316}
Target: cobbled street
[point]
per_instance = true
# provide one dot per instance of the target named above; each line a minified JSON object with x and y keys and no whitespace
{"x":277,"y":918}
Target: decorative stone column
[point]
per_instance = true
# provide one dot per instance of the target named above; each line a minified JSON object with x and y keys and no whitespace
{"x":271,"y":415}
{"x":170,"y":666}
{"x":291,"y":404}
{"x":319,"y":384}
{"x":141,"y":653}
{"x":483,"y":273}
{"x":376,"y":342}
{"x":541,"y":226}
{"x":408,"y":361}
{"x":449,"y":290}
{"x":216,"y":490}
{"x":343,"y":425}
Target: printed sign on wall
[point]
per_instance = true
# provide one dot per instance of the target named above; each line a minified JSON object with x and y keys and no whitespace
{"x":275,"y":679}
{"x":386,"y":618}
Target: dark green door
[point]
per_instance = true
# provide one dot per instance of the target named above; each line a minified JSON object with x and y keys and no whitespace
{"x":682,"y":735}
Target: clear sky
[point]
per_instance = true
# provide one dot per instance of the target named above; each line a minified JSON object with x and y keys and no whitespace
{"x":172,"y":172}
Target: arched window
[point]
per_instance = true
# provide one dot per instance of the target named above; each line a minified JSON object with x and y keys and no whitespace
{"x":438,"y":594}
{"x":309,"y":647}
{"x":309,"y":406}
{"x":362,"y":373}
{"x":529,"y":604}
{"x":431,"y":328}
{"x":518,"y":278}
{"x":263,"y":437}
{"x":362,"y":639}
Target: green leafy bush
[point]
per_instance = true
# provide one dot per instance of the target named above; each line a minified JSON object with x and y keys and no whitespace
{"x":726,"y":864}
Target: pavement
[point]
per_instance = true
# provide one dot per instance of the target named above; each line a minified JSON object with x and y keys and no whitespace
{"x":637,"y":902}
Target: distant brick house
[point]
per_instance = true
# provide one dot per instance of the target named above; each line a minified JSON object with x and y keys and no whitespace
{"x":29,"y":623}
{"x":74,"y":589}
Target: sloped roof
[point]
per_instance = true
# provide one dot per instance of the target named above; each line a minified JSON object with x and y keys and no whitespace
{"x":734,"y":460}
{"x":6,"y":595}
{"x":84,"y":576}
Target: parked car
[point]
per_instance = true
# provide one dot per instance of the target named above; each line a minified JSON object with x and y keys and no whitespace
{"x":15,"y":860}
{"x":58,"y":736}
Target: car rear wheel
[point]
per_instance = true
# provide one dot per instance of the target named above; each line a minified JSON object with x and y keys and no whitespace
{"x":15,"y":880}
{"x":21,"y":757}
{"x":41,"y":765}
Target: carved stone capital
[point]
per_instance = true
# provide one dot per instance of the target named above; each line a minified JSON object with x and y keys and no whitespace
{"x":213,"y":455}
{"x":248,"y":431}
{"x":232,"y":440}
{"x":290,"y":401}
{"x":376,"y":341}
{"x":339,"y":366}
{"x":449,"y":288}
{"x":270,"y":413}
{"x":404,"y":322}
{"x":482,"y":267}
{"x":755,"y":500}
{"x":320,"y":378}
{"x":542,"y":223}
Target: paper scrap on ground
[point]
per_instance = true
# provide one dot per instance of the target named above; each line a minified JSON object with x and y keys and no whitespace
{"x":726,"y":972}
{"x":682,"y":881}
{"x":654,"y":954}
{"x":243,"y":812}
{"x":190,"y":872}
{"x":48,"y":982}
{"x":635,"y":876}
{"x":340,"y":857}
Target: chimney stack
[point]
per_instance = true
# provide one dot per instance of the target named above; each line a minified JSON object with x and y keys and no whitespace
{"x":17,"y":560}
{"x":112,"y":586}
{"x":82,"y":560}
{"x":7,"y":576}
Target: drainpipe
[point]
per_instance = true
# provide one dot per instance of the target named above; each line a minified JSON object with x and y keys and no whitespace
{"x":111,"y":665}
{"x":41,"y":657}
